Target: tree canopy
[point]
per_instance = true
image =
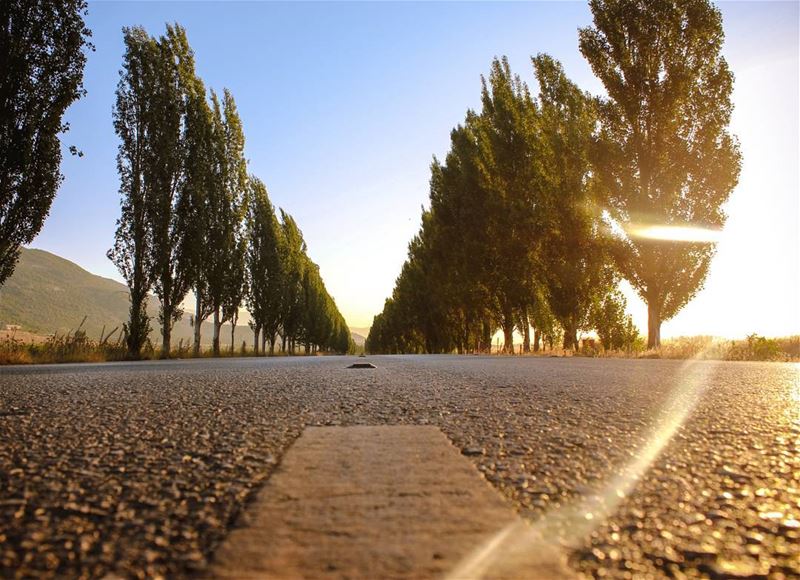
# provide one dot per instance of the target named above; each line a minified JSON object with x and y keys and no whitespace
{"x":42,"y":48}
{"x":664,"y":155}
{"x":192,"y":218}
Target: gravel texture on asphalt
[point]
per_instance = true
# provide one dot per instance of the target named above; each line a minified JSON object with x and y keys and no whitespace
{"x":140,"y":469}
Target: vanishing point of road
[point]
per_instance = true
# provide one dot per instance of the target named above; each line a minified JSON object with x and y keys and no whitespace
{"x":627,"y":468}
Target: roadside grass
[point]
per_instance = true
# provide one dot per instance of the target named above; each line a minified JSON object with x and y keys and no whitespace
{"x":75,"y":346}
{"x":753,"y":348}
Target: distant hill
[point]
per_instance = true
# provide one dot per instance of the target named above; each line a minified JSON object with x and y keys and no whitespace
{"x":362,"y":330}
{"x":48,"y":294}
{"x":359,"y":339}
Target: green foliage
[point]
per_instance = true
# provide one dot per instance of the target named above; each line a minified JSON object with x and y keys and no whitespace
{"x":223,"y":253}
{"x":614,"y":327}
{"x":294,"y":263}
{"x":513,"y":237}
{"x":264,"y":266}
{"x":574,"y":252}
{"x":42,"y":53}
{"x":664,"y":155}
{"x":194,"y":197}
{"x":516,"y":234}
{"x":131,"y":253}
{"x":756,"y":347}
{"x":511,"y":173}
{"x":165,"y":171}
{"x":191,"y":219}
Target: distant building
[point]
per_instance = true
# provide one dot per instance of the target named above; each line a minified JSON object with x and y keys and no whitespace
{"x":13,"y":327}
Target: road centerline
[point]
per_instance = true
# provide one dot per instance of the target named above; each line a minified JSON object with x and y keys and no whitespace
{"x":391,"y":501}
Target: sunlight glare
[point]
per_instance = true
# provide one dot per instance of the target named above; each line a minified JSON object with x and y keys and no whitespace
{"x":569,"y":525}
{"x":675,"y":233}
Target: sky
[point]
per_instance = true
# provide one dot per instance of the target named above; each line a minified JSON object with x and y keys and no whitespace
{"x":344,"y":106}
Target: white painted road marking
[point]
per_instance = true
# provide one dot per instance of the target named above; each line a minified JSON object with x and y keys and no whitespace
{"x":382,"y":502}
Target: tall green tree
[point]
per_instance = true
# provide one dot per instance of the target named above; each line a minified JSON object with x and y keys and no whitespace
{"x":574,"y":253}
{"x":461,"y":237}
{"x":132,"y":250}
{"x":665,"y":156}
{"x":236,"y":280}
{"x":165,"y":166}
{"x":614,"y":327}
{"x":199,"y":181}
{"x":265,"y":271}
{"x":236,"y":192}
{"x":294,"y":263}
{"x":225,"y":211}
{"x":42,"y":47}
{"x":512,"y":174}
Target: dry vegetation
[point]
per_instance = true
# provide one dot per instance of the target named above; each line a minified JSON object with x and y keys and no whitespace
{"x":20,"y":347}
{"x":752,"y":348}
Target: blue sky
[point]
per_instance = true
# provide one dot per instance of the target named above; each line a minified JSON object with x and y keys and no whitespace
{"x":344,"y":105}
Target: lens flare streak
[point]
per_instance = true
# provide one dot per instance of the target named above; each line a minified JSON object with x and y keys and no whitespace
{"x":675,"y":233}
{"x":568,"y":526}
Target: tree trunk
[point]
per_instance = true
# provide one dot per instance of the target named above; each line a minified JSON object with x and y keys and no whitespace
{"x":137,"y":330}
{"x":537,"y":340}
{"x":486,"y":337}
{"x":653,"y":326}
{"x":256,"y":333}
{"x":526,"y":334}
{"x":508,"y":337}
{"x":197,"y":324}
{"x":217,"y":326}
{"x":166,"y":337}
{"x":570,"y":338}
{"x":233,"y":334}
{"x":272,"y":341}
{"x":508,"y":324}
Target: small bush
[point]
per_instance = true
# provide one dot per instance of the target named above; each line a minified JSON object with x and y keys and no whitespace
{"x":756,"y":347}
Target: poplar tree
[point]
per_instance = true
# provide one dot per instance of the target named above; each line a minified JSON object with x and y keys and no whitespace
{"x":42,"y":54}
{"x":665,"y":156}
{"x":263,"y":265}
{"x":294,"y":262}
{"x":575,"y":265}
{"x":132,"y":250}
{"x":236,"y":194}
{"x":460,"y":207}
{"x":165,"y":167}
{"x":195,"y":195}
{"x":511,"y":173}
{"x":224,"y":208}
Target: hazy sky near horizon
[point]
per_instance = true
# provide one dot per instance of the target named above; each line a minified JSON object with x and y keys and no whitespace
{"x":344,"y":105}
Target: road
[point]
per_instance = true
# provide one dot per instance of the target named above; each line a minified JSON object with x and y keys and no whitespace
{"x":637,"y":467}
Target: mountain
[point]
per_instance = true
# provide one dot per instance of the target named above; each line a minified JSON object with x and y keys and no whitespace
{"x":359,"y":339}
{"x":363,"y":331}
{"x":48,"y":294}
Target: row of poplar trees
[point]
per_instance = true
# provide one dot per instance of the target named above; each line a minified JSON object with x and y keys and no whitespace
{"x":193,"y":220}
{"x":523,"y":228}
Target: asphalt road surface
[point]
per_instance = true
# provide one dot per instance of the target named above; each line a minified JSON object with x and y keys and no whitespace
{"x":637,"y":467}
